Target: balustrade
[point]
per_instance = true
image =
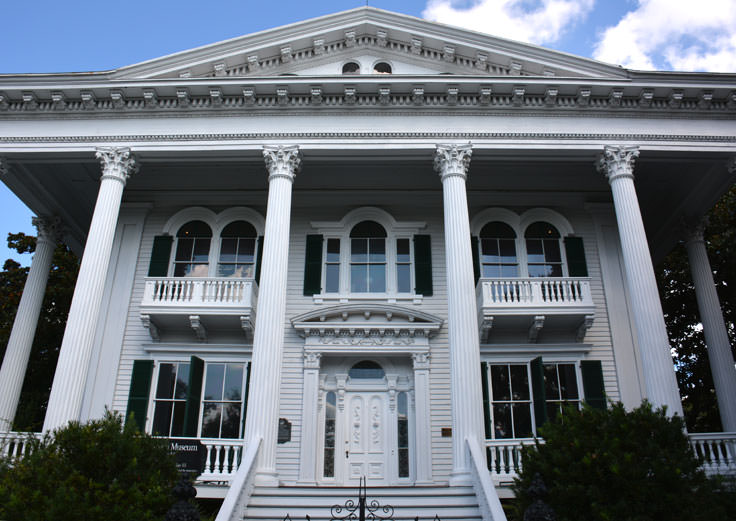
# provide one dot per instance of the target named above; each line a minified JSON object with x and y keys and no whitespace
{"x":185,"y":292}
{"x":534,"y":292}
{"x":222,"y":459}
{"x":16,"y":444}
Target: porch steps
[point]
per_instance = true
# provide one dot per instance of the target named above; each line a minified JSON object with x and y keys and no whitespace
{"x":449,"y":503}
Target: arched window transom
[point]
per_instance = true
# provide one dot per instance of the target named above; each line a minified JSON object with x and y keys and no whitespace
{"x":367,"y":370}
{"x":368,"y":258}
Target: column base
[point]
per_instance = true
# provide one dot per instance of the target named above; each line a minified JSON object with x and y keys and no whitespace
{"x":461,"y":478}
{"x":266,"y":478}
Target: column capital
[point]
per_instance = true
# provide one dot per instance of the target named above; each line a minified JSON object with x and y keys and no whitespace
{"x":4,"y":168}
{"x":618,"y":161}
{"x":452,"y":160}
{"x":312,"y":360}
{"x":420,"y":360}
{"x":282,"y":161}
{"x":731,"y":165}
{"x":693,"y":231}
{"x":117,"y":163}
{"x":49,"y":228}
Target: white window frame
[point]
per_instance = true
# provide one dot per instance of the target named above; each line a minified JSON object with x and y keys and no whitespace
{"x":217,"y":223}
{"x":340,"y":230}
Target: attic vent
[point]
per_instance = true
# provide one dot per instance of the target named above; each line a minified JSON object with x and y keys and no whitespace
{"x":351,"y":68}
{"x":382,"y":68}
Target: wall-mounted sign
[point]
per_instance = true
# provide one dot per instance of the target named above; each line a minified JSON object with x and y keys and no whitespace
{"x":284,"y":430}
{"x":190,"y":455}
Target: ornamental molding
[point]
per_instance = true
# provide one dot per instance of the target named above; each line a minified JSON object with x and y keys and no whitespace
{"x":618,"y":161}
{"x":4,"y":168}
{"x":117,"y":163}
{"x":305,"y":136}
{"x":282,"y":161}
{"x":49,"y":228}
{"x":452,"y":160}
{"x":694,"y":231}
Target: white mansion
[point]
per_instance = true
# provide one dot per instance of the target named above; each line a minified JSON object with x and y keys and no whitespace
{"x":365,"y":245}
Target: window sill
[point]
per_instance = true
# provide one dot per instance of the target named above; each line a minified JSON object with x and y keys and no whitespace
{"x":346,"y":298}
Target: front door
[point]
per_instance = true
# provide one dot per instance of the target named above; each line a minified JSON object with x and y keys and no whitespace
{"x":366,"y":438}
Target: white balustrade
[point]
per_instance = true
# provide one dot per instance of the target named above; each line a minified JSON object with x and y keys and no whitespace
{"x":537,"y":292}
{"x":16,"y":444}
{"x":504,"y":457}
{"x":717,"y":451}
{"x":187,"y":293}
{"x":222,"y":460}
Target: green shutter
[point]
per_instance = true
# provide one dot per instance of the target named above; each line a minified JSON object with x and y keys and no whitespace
{"x":575,"y":251}
{"x":423,"y":265}
{"x":140,"y":389}
{"x":313,"y":266}
{"x":476,"y":258}
{"x":160,"y":254}
{"x":194,"y":396}
{"x":259,"y":258}
{"x":540,"y":400}
{"x":595,"y":394}
{"x":486,"y":399}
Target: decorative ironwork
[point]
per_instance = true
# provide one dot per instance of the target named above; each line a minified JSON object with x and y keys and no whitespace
{"x":364,"y":510}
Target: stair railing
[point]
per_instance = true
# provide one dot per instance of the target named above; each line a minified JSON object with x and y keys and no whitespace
{"x":241,"y":487}
{"x":488,"y":501}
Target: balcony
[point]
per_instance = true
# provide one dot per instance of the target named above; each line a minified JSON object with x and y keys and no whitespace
{"x":518,"y":309}
{"x":199,"y":305}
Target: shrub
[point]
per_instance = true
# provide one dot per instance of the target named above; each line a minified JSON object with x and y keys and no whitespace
{"x":101,"y":470}
{"x":612,"y":464}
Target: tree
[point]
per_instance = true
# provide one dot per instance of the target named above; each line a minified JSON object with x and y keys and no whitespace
{"x":610,"y":464}
{"x":683,"y":319}
{"x":99,"y":471}
{"x":51,"y":323}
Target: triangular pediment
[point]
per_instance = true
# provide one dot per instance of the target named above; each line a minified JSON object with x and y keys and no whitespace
{"x":321,"y":46}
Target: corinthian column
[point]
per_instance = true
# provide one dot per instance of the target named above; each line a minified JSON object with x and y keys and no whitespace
{"x":617,"y":163}
{"x":451,"y":162}
{"x":19,"y":346}
{"x":714,"y":328}
{"x":65,"y":402}
{"x":268,"y":338}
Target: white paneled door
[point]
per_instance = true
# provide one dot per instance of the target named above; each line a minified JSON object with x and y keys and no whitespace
{"x":366,"y":438}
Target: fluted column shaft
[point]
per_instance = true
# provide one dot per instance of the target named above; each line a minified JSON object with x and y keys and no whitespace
{"x":65,"y":402}
{"x":452,"y":162}
{"x":661,"y":383}
{"x":18,"y":351}
{"x":714,"y":329}
{"x":263,"y":398}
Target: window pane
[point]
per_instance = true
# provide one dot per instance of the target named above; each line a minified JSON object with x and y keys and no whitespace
{"x":538,"y":270}
{"x":402,"y":250}
{"x":213,"y":382}
{"x":211,"y":413}
{"x":246,"y":249}
{"x":177,"y":427}
{"x":333,"y":250}
{"x":377,"y":250}
{"x":489,"y":247}
{"x":238,"y":229}
{"x":534,"y":250}
{"x":508,"y":251}
{"x":568,"y":382}
{"x":403,"y":278}
{"x":551,"y":389}
{"x":502,"y":420}
{"x":359,"y":250}
{"x":552,"y":250}
{"x":184,"y":249}
{"x":228,"y":249}
{"x":332,"y":278}
{"x":520,"y":382}
{"x":162,"y":418}
{"x":165,"y":385}
{"x":233,"y":382}
{"x":492,"y":270}
{"x":201,"y":250}
{"x":231,"y":421}
{"x":358,"y":278}
{"x":377,"y":278}
{"x":500,"y":382}
{"x":522,"y":420}
{"x":182,"y":378}
{"x":554,"y":270}
{"x":509,"y":271}
{"x":226,"y":270}
{"x":553,"y":409}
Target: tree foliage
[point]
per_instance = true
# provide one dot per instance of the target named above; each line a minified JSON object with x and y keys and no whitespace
{"x":683,"y":319}
{"x":610,"y":464}
{"x":51,"y":323}
{"x":102,"y":470}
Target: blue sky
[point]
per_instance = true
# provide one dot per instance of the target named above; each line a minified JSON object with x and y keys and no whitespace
{"x":85,"y":35}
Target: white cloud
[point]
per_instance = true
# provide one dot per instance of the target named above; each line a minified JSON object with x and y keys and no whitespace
{"x":535,"y":21}
{"x":673,"y":34}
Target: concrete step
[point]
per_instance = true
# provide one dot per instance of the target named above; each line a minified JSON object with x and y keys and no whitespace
{"x":447,"y":503}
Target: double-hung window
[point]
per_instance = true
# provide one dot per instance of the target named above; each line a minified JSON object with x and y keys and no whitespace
{"x":192,"y":250}
{"x":237,"y":250}
{"x":498,"y":251}
{"x":170,"y":399}
{"x":544,"y":257}
{"x":368,"y":258}
{"x":222,"y":402}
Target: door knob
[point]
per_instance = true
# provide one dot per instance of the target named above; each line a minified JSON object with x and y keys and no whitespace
{"x":346,"y":453}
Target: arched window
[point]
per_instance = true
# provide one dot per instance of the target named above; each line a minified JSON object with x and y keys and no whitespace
{"x":382,"y":68}
{"x":351,"y":68}
{"x":237,"y":250}
{"x":498,"y":251}
{"x":368,"y":258}
{"x":366,"y":370}
{"x":192,"y":250}
{"x":544,"y":257}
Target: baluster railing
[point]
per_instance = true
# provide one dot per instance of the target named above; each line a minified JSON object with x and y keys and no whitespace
{"x":716,"y":450}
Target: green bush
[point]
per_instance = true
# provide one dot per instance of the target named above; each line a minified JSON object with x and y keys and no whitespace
{"x":616,"y":465}
{"x":101,"y":470}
